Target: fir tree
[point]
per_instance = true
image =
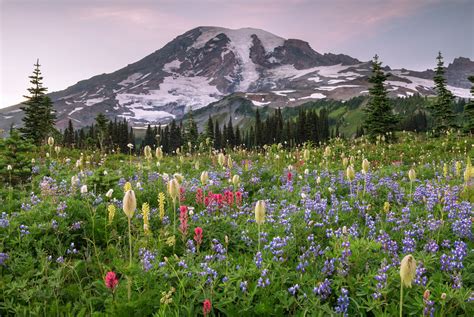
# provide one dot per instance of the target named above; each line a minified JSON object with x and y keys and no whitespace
{"x":442,"y":110}
{"x":39,"y":116}
{"x":15,"y":152}
{"x":230,"y":133}
{"x":209,"y":133}
{"x":191,"y":131}
{"x":101,"y":122}
{"x":258,"y":129}
{"x":69,"y":134}
{"x":379,"y":119}
{"x":469,"y":111}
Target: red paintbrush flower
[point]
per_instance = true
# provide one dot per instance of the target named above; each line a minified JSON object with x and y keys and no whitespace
{"x":111,"y":281}
{"x":206,"y":307}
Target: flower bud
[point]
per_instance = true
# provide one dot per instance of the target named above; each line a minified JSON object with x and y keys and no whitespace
{"x":426,"y":294}
{"x":345,"y":162}
{"x":412,"y":175}
{"x":129,"y":203}
{"x":236,"y":180}
{"x":50,"y":141}
{"x":260,"y":212}
{"x":407,"y":270}
{"x":109,"y":193}
{"x":327,"y":152}
{"x":159,"y":153}
{"x":221,"y":159}
{"x":173,"y":188}
{"x":83,"y":189}
{"x":306,"y":155}
{"x":147,"y":152}
{"x":365,"y":166}
{"x":204,"y":177}
{"x":350,"y":174}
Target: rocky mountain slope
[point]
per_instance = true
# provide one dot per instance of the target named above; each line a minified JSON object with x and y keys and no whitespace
{"x":206,"y":64}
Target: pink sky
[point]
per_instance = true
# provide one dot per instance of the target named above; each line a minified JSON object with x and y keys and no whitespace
{"x":79,"y":39}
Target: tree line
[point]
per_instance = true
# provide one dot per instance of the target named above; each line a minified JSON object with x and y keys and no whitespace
{"x":308,"y":125}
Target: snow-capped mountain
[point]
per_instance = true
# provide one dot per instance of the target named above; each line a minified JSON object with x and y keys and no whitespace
{"x":206,"y":64}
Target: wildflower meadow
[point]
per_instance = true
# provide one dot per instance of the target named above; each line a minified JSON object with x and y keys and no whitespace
{"x":347,"y":228}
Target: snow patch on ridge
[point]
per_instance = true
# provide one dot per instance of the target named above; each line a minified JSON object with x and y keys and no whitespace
{"x":130,"y":79}
{"x":269,"y":40}
{"x":93,"y":101}
{"x":314,"y":96}
{"x":192,"y":92}
{"x":172,"y":66}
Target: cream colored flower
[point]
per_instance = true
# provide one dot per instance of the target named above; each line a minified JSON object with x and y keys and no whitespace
{"x":129,"y":203}
{"x":407,"y":270}
{"x":260,"y":212}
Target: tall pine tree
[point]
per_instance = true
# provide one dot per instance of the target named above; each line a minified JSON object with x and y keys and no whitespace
{"x":39,"y":116}
{"x":379,"y":118}
{"x":442,"y":110}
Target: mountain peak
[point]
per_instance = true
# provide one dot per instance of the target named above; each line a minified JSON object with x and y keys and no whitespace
{"x":240,"y":37}
{"x":207,"y":63}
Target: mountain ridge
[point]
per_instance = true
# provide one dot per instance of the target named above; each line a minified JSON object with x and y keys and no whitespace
{"x":207,"y":63}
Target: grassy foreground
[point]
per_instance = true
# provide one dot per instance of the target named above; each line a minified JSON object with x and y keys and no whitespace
{"x":330,"y":241}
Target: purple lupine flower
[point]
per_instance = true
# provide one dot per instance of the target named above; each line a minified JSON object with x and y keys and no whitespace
{"x":381,"y":278}
{"x":76,"y":225}
{"x":294,"y":289}
{"x":323,"y":289}
{"x":146,"y":258}
{"x":3,"y":258}
{"x":342,"y":302}
{"x":219,"y":249}
{"x":190,"y":247}
{"x":258,"y":259}
{"x":409,"y":243}
{"x":328,"y":268}
{"x":72,"y":249}
{"x":24,"y":230}
{"x":420,"y":278}
{"x":431,"y":246}
{"x":4,"y":222}
{"x":243,"y":286}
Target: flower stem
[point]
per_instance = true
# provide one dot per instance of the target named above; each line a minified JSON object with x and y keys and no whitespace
{"x":401,"y":299}
{"x":259,"y":238}
{"x":174,"y":222}
{"x":130,"y":240}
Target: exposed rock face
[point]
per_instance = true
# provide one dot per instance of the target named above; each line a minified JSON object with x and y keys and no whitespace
{"x":206,"y":64}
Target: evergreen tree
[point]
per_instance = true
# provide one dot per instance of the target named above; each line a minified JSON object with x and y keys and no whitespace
{"x":238,"y":137}
{"x":150,"y":138}
{"x":442,"y":110}
{"x":379,"y":117}
{"x":191,"y":131}
{"x":39,"y":116}
{"x":230,"y":137}
{"x":258,"y":129}
{"x":209,"y":133}
{"x":101,"y":130}
{"x":217,"y":136}
{"x":469,"y":111}
{"x":16,"y":152}
{"x":69,"y":134}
